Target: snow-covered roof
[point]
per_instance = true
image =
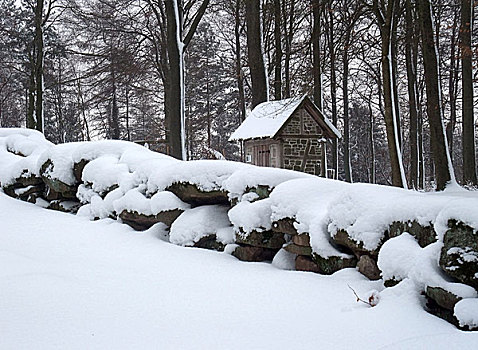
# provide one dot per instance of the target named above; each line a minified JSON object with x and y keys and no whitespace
{"x":267,"y":118}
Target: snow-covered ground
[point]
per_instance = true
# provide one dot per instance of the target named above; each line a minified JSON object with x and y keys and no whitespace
{"x":70,"y":283}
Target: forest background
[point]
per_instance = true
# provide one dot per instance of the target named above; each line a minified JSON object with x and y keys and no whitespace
{"x":395,"y":76}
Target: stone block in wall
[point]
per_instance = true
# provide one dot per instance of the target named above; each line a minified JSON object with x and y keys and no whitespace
{"x":301,"y":239}
{"x":305,"y":263}
{"x":254,"y":254}
{"x":368,"y":267}
{"x":266,"y":239}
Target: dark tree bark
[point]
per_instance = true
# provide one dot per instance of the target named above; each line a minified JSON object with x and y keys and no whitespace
{"x":278,"y":51}
{"x":411,"y":64}
{"x":31,"y":123}
{"x":393,"y":53}
{"x":175,"y":91}
{"x":317,"y":68}
{"x":114,"y":117}
{"x":452,"y":83}
{"x":39,"y":52}
{"x":439,"y":148}
{"x":345,"y":91}
{"x":254,"y":49}
{"x":469,"y":162}
{"x":333,"y":86}
{"x":385,"y":17}
{"x":174,"y":83}
{"x":237,"y":49}
{"x":371,"y":142}
{"x":288,"y":24}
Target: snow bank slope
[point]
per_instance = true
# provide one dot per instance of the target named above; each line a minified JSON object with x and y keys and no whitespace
{"x":67,"y":282}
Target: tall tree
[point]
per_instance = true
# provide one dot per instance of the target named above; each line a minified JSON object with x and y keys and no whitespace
{"x":176,"y":44}
{"x":317,"y":10}
{"x":469,"y":163}
{"x":441,"y":156}
{"x":278,"y":51}
{"x":237,"y":56}
{"x":384,"y":13}
{"x":260,"y":89}
{"x":411,"y":63}
{"x":41,"y":14}
{"x":330,"y":34}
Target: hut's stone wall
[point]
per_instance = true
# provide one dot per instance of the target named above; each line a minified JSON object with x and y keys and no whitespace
{"x":302,"y":149}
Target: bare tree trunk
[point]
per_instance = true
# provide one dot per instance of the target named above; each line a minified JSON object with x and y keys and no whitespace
{"x":421,"y":158}
{"x":61,"y":126}
{"x":441,"y":157}
{"x":333,"y":88}
{"x":469,"y":162}
{"x":345,"y":91}
{"x":289,"y":33}
{"x":81,"y":103}
{"x":411,"y":64}
{"x":317,"y":69}
{"x":208,"y":97}
{"x":278,"y":51}
{"x":39,"y":52}
{"x":371,"y":142}
{"x":31,"y":123}
{"x":175,"y":94}
{"x":239,"y":74}
{"x":114,"y":119}
{"x":393,"y":53}
{"x":385,"y":23}
{"x":452,"y":84}
{"x":260,"y":91}
{"x":128,"y":133}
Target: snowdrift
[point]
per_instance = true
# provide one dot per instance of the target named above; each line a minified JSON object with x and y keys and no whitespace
{"x":296,"y":220}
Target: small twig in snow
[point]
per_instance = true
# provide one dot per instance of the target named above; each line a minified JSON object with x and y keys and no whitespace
{"x":369,"y":303}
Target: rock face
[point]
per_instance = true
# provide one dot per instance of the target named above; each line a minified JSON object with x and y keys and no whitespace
{"x":299,"y":250}
{"x":305,"y":263}
{"x":285,"y":225}
{"x":424,"y":235}
{"x":332,"y":264}
{"x":302,"y":240}
{"x":210,"y":242}
{"x":368,"y":267}
{"x":56,"y":189}
{"x":442,"y":297}
{"x":78,"y":169}
{"x":26,"y":188}
{"x":342,"y":238}
{"x":250,"y":253}
{"x":141,"y":222}
{"x":65,"y":206}
{"x":441,"y":303}
{"x":262,"y":191}
{"x":459,"y":255}
{"x":191,"y":194}
{"x":266,"y":239}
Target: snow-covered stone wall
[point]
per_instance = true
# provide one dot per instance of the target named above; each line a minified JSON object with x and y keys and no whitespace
{"x":295,"y":220}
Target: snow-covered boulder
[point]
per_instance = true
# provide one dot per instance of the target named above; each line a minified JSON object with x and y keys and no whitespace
{"x":402,"y":258}
{"x":19,"y":172}
{"x":466,"y":312}
{"x":259,"y":181}
{"x":141,"y":212}
{"x":206,"y":226}
{"x":195,"y":182}
{"x":459,"y":255}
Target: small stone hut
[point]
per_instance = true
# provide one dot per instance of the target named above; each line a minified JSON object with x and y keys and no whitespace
{"x":290,"y":134}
